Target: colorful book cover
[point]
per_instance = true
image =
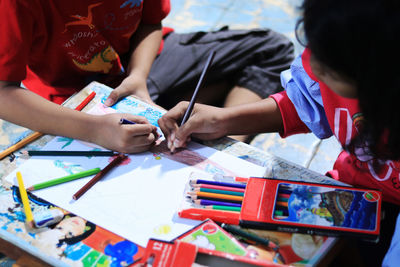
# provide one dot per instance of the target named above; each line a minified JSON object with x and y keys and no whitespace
{"x":312,"y":208}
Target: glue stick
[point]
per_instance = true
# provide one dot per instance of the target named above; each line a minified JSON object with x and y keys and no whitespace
{"x":48,"y":217}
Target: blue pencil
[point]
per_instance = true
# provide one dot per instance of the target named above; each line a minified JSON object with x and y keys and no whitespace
{"x":206,"y":202}
{"x":199,"y":181}
{"x":125,"y":121}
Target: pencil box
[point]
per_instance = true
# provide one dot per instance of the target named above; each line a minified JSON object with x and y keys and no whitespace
{"x":297,"y":207}
{"x":206,"y":245}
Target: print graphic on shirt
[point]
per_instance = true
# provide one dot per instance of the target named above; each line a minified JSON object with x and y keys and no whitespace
{"x":100,"y":62}
{"x":81,"y":20}
{"x":133,"y":3}
{"x":344,"y":130}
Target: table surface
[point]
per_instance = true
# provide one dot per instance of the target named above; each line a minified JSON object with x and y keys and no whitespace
{"x":102,"y":250}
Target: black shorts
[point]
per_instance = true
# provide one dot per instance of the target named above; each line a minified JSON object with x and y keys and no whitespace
{"x":248,"y":58}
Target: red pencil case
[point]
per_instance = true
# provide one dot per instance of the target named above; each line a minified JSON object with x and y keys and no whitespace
{"x":302,"y":207}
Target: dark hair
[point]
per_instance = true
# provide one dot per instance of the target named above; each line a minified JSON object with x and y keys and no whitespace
{"x":360,"y":41}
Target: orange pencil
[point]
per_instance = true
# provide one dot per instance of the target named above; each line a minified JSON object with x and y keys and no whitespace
{"x":214,"y":195}
{"x":282,"y":203}
{"x":32,"y":137}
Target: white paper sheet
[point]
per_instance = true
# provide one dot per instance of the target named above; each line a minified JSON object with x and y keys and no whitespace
{"x":137,"y":200}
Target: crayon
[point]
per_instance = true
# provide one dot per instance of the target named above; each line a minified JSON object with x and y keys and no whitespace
{"x":217,"y":191}
{"x":200,"y":181}
{"x":217,"y":196}
{"x":71,"y":153}
{"x":116,"y":161}
{"x":25,"y":200}
{"x":219,"y":187}
{"x":205,"y":202}
{"x":218,"y":207}
{"x":64,"y":179}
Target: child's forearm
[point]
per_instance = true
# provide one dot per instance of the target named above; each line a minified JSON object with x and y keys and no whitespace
{"x":27,"y":109}
{"x":259,"y":117}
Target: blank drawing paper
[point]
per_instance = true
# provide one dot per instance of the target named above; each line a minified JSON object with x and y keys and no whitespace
{"x":138,"y":199}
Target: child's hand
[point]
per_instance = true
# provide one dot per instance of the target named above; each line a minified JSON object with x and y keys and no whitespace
{"x":124,"y":138}
{"x":131,"y":85}
{"x":206,"y":123}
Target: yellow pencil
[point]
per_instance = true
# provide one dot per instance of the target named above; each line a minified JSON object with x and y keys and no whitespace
{"x":25,"y":201}
{"x":32,"y":137}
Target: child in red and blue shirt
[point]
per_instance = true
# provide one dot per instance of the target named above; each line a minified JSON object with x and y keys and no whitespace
{"x":346,"y":83}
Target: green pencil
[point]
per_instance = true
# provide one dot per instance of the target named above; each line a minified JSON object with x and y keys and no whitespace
{"x":217,"y":191}
{"x":219,"y":207}
{"x":63,"y":179}
{"x":71,"y":153}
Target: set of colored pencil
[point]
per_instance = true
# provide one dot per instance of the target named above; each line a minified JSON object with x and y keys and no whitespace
{"x":216,"y":195}
{"x":281,"y":210}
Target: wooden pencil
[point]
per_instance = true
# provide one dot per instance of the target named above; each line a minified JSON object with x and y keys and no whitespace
{"x":64,"y":179}
{"x":198,"y":86}
{"x":92,"y":153}
{"x":205,"y":202}
{"x":219,"y":207}
{"x":194,"y":198}
{"x":200,"y":181}
{"x":32,"y":137}
{"x":99,"y":176}
{"x":235,"y":189}
{"x":217,"y":196}
{"x":25,"y":200}
{"x":217,"y":191}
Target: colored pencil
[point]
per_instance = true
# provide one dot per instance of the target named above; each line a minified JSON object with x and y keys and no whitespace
{"x":282,"y":199}
{"x":284,"y":195}
{"x":25,"y":200}
{"x":218,"y":207}
{"x":217,"y":191}
{"x":198,"y":86}
{"x":249,"y":236}
{"x":205,"y":202}
{"x":193,"y":198}
{"x":86,"y":101}
{"x":125,"y":121}
{"x":71,"y":153}
{"x":64,"y":179}
{"x":282,"y":203}
{"x":219,"y":187}
{"x":200,"y":181}
{"x":32,"y":137}
{"x":218,"y":196}
{"x":230,"y":179}
{"x":117,"y":160}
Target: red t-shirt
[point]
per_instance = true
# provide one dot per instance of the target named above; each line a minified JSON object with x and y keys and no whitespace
{"x":344,"y":118}
{"x":57,"y":47}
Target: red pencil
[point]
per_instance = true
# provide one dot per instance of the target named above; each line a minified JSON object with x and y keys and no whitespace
{"x":100,"y":175}
{"x":86,"y":101}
